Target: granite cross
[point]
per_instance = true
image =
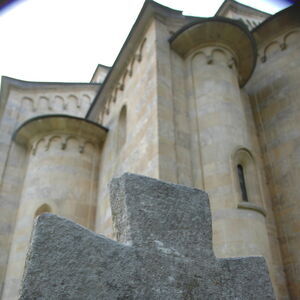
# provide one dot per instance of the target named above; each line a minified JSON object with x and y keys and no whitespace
{"x":164,"y":251}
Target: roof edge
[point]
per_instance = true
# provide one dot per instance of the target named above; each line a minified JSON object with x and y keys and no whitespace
{"x":23,"y":83}
{"x":241,"y":4}
{"x":145,"y":7}
{"x":241,"y":25}
{"x":55,"y":116}
{"x":272,"y":17}
{"x":98,"y":66}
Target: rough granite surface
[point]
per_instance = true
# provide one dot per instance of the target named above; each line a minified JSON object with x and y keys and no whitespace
{"x":164,"y":252}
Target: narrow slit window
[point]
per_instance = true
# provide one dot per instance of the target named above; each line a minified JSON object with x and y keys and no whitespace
{"x":122,"y":128}
{"x":242,"y":182}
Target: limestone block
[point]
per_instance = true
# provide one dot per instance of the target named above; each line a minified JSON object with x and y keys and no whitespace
{"x":166,"y":258}
{"x":153,"y":214}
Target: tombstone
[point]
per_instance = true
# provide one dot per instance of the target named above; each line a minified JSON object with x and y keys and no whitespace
{"x":164,"y":251}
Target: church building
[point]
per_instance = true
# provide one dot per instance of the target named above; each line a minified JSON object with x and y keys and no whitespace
{"x":211,"y":103}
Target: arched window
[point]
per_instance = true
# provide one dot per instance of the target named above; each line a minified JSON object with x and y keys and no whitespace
{"x":45,"y":208}
{"x":241,"y":176}
{"x":246,"y":175}
{"x":122,"y":127}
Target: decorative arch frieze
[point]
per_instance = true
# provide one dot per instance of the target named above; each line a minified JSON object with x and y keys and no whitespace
{"x":121,"y":83}
{"x":217,"y":55}
{"x":281,"y":43}
{"x":43,"y":103}
{"x":140,"y":50}
{"x":101,"y":116}
{"x":86,"y":98}
{"x":39,"y":144}
{"x":61,"y":142}
{"x":59,"y":103}
{"x":55,"y":103}
{"x":55,"y":139}
{"x":219,"y":35}
{"x":73,"y":99}
{"x":269,"y":49}
{"x":130,"y":66}
{"x":86,"y":145}
{"x":123,"y":79}
{"x":220,"y":56}
{"x":28,"y":100}
{"x":292,"y":33}
{"x":70,"y":142}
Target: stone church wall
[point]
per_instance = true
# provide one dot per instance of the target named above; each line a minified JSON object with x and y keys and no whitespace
{"x":131,"y":110}
{"x":187,"y":102}
{"x":21,"y":101}
{"x":274,"y":90}
{"x":61,"y":177}
{"x":206,"y":131}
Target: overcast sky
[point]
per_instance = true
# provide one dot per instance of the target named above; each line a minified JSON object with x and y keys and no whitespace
{"x":64,"y":40}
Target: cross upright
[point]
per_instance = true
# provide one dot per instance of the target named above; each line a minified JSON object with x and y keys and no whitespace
{"x":164,"y":251}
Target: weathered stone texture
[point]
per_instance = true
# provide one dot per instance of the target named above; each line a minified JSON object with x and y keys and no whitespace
{"x":274,"y":90}
{"x":189,"y":120}
{"x":163,"y":259}
{"x":139,"y":96}
{"x":21,"y":101}
{"x":57,"y":162}
{"x":155,"y":215}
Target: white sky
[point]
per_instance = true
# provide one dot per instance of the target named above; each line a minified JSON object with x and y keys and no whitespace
{"x":64,"y":40}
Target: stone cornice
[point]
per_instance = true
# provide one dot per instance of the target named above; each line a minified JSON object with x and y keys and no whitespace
{"x":219,"y":31}
{"x":45,"y":125}
{"x":22,"y":84}
{"x":9,"y":84}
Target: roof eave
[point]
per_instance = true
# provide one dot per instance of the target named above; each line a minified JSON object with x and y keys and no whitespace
{"x":148,"y":11}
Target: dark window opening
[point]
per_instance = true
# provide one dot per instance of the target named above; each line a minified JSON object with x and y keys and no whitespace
{"x":242,"y":182}
{"x":122,"y":128}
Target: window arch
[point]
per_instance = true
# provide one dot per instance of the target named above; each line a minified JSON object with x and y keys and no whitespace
{"x":45,"y":208}
{"x":122,"y":127}
{"x":246,"y":177}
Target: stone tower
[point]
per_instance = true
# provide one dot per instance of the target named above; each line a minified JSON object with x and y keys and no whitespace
{"x":211,"y":103}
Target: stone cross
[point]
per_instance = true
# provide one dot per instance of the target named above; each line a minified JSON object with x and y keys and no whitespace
{"x":164,"y":252}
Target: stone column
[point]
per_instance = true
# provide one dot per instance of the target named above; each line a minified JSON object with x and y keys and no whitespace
{"x":63,"y":159}
{"x":219,"y":56}
{"x":220,"y":116}
{"x":222,"y":130}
